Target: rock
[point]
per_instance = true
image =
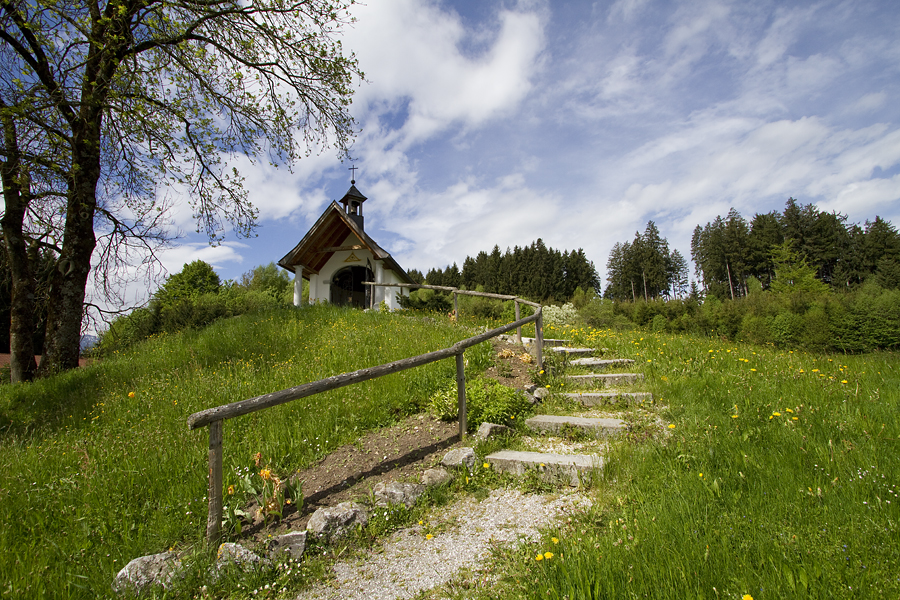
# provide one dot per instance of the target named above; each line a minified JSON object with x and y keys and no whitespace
{"x":486,"y":430}
{"x":146,"y":571}
{"x":531,"y":399}
{"x":235,"y":554}
{"x":395,"y":492}
{"x":459,"y":456}
{"x":541,"y":393}
{"x":433,"y":477}
{"x":334,"y":522}
{"x":292,"y":543}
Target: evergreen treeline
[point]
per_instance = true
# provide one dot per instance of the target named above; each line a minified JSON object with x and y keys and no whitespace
{"x":536,"y":272}
{"x":730,"y":252}
{"x":645,"y":268}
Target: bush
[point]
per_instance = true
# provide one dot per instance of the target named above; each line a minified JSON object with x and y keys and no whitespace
{"x":487,"y":400}
{"x":426,"y":300}
{"x":601,"y":314}
{"x":560,"y":316}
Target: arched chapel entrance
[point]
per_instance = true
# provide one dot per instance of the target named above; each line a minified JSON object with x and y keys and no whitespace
{"x":347,"y":287}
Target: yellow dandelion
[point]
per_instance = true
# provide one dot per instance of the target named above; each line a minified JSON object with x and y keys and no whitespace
{"x":421,"y":522}
{"x":843,"y":381}
{"x":734,"y":416}
{"x":776,"y":414}
{"x":554,"y":540}
{"x":428,"y":536}
{"x":794,"y":418}
{"x":671,"y":425}
{"x":548,"y":555}
{"x":539,"y":557}
{"x":486,"y":465}
{"x":131,"y":394}
{"x":701,"y":475}
{"x":747,"y":597}
{"x":266,"y":474}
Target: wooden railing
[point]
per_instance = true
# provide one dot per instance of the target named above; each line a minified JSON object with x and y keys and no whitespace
{"x":214,"y":418}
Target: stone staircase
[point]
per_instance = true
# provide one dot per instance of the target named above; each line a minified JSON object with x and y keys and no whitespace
{"x":567,"y":468}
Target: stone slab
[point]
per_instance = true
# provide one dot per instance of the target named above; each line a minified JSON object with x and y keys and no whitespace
{"x":601,"y":363}
{"x":606,"y":379}
{"x":573,"y":351}
{"x":600,"y":398}
{"x":548,"y":342}
{"x":550,"y":467}
{"x":597,"y":426}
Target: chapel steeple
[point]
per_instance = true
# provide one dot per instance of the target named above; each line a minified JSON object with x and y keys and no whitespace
{"x":353,"y":200}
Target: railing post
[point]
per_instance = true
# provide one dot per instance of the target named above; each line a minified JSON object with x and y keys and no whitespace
{"x":539,"y":338}
{"x":461,"y":393}
{"x":214,"y":517}
{"x":519,"y":328}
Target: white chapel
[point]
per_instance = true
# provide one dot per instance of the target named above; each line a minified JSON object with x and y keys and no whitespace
{"x":337,"y":256}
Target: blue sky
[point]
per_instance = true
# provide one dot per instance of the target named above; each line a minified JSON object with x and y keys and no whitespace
{"x":486,"y":123}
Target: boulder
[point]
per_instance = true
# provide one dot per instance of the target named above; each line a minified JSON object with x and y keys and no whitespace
{"x":235,"y":554}
{"x":458,"y":457}
{"x":293,"y":544}
{"x":336,"y":521}
{"x":145,"y":572}
{"x":437,"y":476}
{"x":541,"y":393}
{"x":395,"y":492}
{"x":487,"y":430}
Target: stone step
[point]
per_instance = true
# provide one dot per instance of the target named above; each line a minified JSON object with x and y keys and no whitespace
{"x":548,"y":342}
{"x":601,"y":398}
{"x":606,"y":379}
{"x":600,"y":363}
{"x":573,"y":351}
{"x":528,"y":342}
{"x":555,"y":423}
{"x":550,"y":467}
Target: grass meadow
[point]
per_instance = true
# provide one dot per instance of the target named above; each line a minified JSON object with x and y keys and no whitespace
{"x":779,"y":478}
{"x":100,"y":467}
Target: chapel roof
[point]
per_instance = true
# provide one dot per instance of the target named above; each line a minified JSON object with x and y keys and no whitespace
{"x":323,"y":239}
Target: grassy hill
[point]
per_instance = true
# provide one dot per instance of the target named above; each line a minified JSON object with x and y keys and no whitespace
{"x":778,"y":478}
{"x":101,"y":467}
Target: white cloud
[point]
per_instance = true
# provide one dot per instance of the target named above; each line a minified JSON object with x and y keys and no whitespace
{"x":415,"y":58}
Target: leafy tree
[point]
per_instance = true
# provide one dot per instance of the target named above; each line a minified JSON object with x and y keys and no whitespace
{"x":195,"y":279}
{"x":99,"y":103}
{"x":270,"y":280}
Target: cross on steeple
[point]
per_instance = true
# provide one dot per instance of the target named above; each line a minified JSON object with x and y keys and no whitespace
{"x":353,"y":177}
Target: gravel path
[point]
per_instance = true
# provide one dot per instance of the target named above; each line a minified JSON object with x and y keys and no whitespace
{"x":408,"y":563}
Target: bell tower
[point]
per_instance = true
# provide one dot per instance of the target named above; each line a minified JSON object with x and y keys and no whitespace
{"x":353,"y":201}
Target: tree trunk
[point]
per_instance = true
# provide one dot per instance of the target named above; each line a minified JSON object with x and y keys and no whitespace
{"x":62,"y":344}
{"x":17,"y":195}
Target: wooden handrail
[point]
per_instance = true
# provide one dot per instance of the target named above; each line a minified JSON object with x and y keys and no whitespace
{"x":214,"y":417}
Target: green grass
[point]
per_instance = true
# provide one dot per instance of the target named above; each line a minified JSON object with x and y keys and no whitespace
{"x":100,"y":466}
{"x":779,"y":479}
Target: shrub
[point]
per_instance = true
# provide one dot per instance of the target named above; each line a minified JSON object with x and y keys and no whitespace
{"x":560,"y":316}
{"x":487,"y":400}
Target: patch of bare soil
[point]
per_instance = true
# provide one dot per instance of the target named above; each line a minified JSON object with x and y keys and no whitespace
{"x":401,"y":452}
{"x":510,"y":365}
